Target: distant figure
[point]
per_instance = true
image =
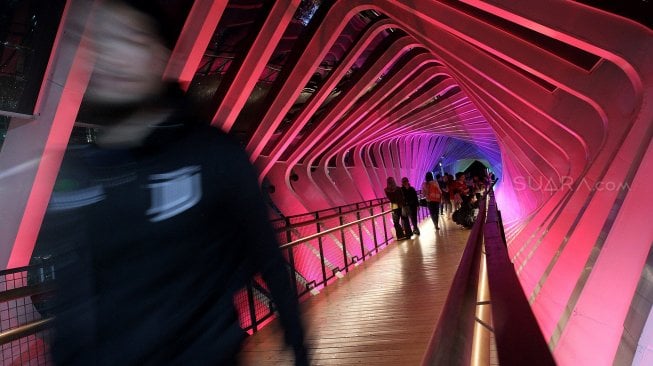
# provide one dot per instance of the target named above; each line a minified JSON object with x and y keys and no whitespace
{"x":411,"y":200}
{"x":433,"y":196}
{"x":450,"y":193}
{"x":156,"y":226}
{"x":463,"y":197}
{"x":461,"y":188}
{"x":445,"y":203}
{"x":397,"y":202}
{"x":456,"y":189}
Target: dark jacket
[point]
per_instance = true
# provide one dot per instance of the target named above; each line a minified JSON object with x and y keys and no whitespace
{"x":410,"y":196}
{"x":395,"y":196}
{"x":152,"y":244}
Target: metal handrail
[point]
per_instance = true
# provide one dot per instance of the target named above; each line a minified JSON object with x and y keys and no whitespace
{"x":334,"y":229}
{"x":325,"y":218}
{"x":328,"y":274}
{"x":451,"y":343}
{"x":27,"y":291}
{"x":518,"y":336}
{"x":251,"y":288}
{"x":336,"y":208}
{"x":25,"y":330}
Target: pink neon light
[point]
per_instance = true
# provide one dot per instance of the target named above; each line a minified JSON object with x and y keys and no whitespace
{"x":63,"y":106}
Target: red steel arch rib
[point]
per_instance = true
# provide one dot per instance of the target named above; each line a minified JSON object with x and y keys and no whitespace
{"x":537,"y":88}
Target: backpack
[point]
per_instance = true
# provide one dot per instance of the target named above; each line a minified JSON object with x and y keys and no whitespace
{"x":433,"y":192}
{"x":464,"y":216}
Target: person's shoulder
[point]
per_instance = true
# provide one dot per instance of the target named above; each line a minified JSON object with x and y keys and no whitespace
{"x":77,"y":157}
{"x":217,"y":138}
{"x":209,"y":131}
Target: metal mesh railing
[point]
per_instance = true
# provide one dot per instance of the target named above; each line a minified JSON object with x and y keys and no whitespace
{"x":319,"y":247}
{"x":24,"y":295}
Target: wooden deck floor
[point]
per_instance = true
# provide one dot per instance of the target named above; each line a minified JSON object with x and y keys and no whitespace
{"x":381,"y":313}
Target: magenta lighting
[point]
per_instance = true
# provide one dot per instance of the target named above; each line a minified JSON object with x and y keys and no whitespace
{"x":330,"y":98}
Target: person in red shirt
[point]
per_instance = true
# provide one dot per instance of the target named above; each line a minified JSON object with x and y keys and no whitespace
{"x":458,"y":190}
{"x":433,"y":194}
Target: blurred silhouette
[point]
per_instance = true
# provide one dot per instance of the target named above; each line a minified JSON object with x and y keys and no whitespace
{"x":154,"y":227}
{"x":397,"y":203}
{"x":411,"y":203}
{"x":433,"y":194}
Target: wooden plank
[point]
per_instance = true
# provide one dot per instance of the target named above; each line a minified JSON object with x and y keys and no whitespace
{"x":382,"y":313}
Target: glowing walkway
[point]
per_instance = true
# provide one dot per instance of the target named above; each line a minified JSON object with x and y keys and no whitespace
{"x":382,"y":313}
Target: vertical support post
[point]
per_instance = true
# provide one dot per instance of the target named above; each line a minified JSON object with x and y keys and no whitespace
{"x":288,"y":234}
{"x":360,"y":233}
{"x":252,"y":306}
{"x":342,"y":239}
{"x":385,"y":226}
{"x":293,"y":270}
{"x":321,"y":248}
{"x":376,"y":241}
{"x":291,"y":258}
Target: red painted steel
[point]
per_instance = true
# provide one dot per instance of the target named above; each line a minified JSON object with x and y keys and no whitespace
{"x":560,"y":107}
{"x":193,"y":40}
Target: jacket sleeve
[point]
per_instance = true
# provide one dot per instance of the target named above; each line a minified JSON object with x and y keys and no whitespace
{"x":262,"y":248}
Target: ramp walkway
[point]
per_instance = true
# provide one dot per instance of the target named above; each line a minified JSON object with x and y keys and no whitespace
{"x":381,"y":313}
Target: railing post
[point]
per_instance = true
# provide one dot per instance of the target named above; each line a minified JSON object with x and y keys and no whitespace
{"x":293,"y":271}
{"x":319,"y":245}
{"x":342,"y":239}
{"x":252,"y":306}
{"x":291,"y":258}
{"x":385,"y":227}
{"x":288,"y":235}
{"x":376,"y":242}
{"x":360,"y":234}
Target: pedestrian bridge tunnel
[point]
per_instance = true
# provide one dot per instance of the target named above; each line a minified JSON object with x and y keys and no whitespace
{"x":330,"y":98}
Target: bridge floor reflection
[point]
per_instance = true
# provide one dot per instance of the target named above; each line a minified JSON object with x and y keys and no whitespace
{"x":382,"y":313}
